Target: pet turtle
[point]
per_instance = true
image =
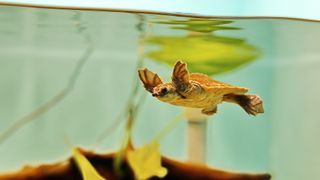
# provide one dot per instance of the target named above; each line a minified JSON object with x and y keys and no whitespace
{"x":198,"y":90}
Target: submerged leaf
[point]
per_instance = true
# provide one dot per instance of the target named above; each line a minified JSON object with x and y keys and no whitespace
{"x":87,"y":170}
{"x":146,"y":161}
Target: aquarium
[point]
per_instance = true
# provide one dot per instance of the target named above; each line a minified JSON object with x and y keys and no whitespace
{"x":69,"y":78}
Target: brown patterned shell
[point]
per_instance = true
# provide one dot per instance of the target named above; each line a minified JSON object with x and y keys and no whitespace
{"x":211,"y":85}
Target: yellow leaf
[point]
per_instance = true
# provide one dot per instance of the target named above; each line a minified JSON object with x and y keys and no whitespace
{"x":87,"y":170}
{"x":146,"y":161}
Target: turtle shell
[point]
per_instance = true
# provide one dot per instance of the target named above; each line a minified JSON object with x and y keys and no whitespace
{"x":211,"y":85}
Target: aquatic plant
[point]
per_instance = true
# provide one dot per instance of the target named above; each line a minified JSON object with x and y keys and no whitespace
{"x":204,"y":51}
{"x":198,"y":25}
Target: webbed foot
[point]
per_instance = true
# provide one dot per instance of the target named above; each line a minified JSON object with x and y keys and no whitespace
{"x":252,"y":104}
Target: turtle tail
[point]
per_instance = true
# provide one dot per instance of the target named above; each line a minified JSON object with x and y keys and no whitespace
{"x":252,"y":104}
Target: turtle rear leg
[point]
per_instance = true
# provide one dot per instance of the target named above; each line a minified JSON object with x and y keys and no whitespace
{"x":209,"y":111}
{"x":252,"y":104}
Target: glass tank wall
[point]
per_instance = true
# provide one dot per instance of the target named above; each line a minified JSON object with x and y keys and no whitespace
{"x":80,"y":68}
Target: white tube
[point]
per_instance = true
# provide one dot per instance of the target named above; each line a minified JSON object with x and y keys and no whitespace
{"x":197,"y":135}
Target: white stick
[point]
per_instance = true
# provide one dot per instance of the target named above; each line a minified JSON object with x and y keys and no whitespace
{"x":197,"y":135}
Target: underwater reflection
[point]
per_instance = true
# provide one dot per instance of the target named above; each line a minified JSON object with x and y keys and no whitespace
{"x":201,"y":47}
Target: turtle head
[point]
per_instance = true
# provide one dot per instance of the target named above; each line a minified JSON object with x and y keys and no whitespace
{"x":165,"y":92}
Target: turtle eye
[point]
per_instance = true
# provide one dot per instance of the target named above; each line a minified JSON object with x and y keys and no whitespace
{"x":164,"y":91}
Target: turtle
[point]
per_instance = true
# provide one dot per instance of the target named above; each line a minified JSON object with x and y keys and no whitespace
{"x":197,"y":90}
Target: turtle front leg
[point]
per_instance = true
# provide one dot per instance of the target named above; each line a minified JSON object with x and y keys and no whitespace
{"x":180,"y":77}
{"x":210,"y":111}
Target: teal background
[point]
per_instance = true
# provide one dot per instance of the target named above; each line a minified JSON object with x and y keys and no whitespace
{"x":39,"y":49}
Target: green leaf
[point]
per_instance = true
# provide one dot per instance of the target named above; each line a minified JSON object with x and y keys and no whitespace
{"x":87,"y":170}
